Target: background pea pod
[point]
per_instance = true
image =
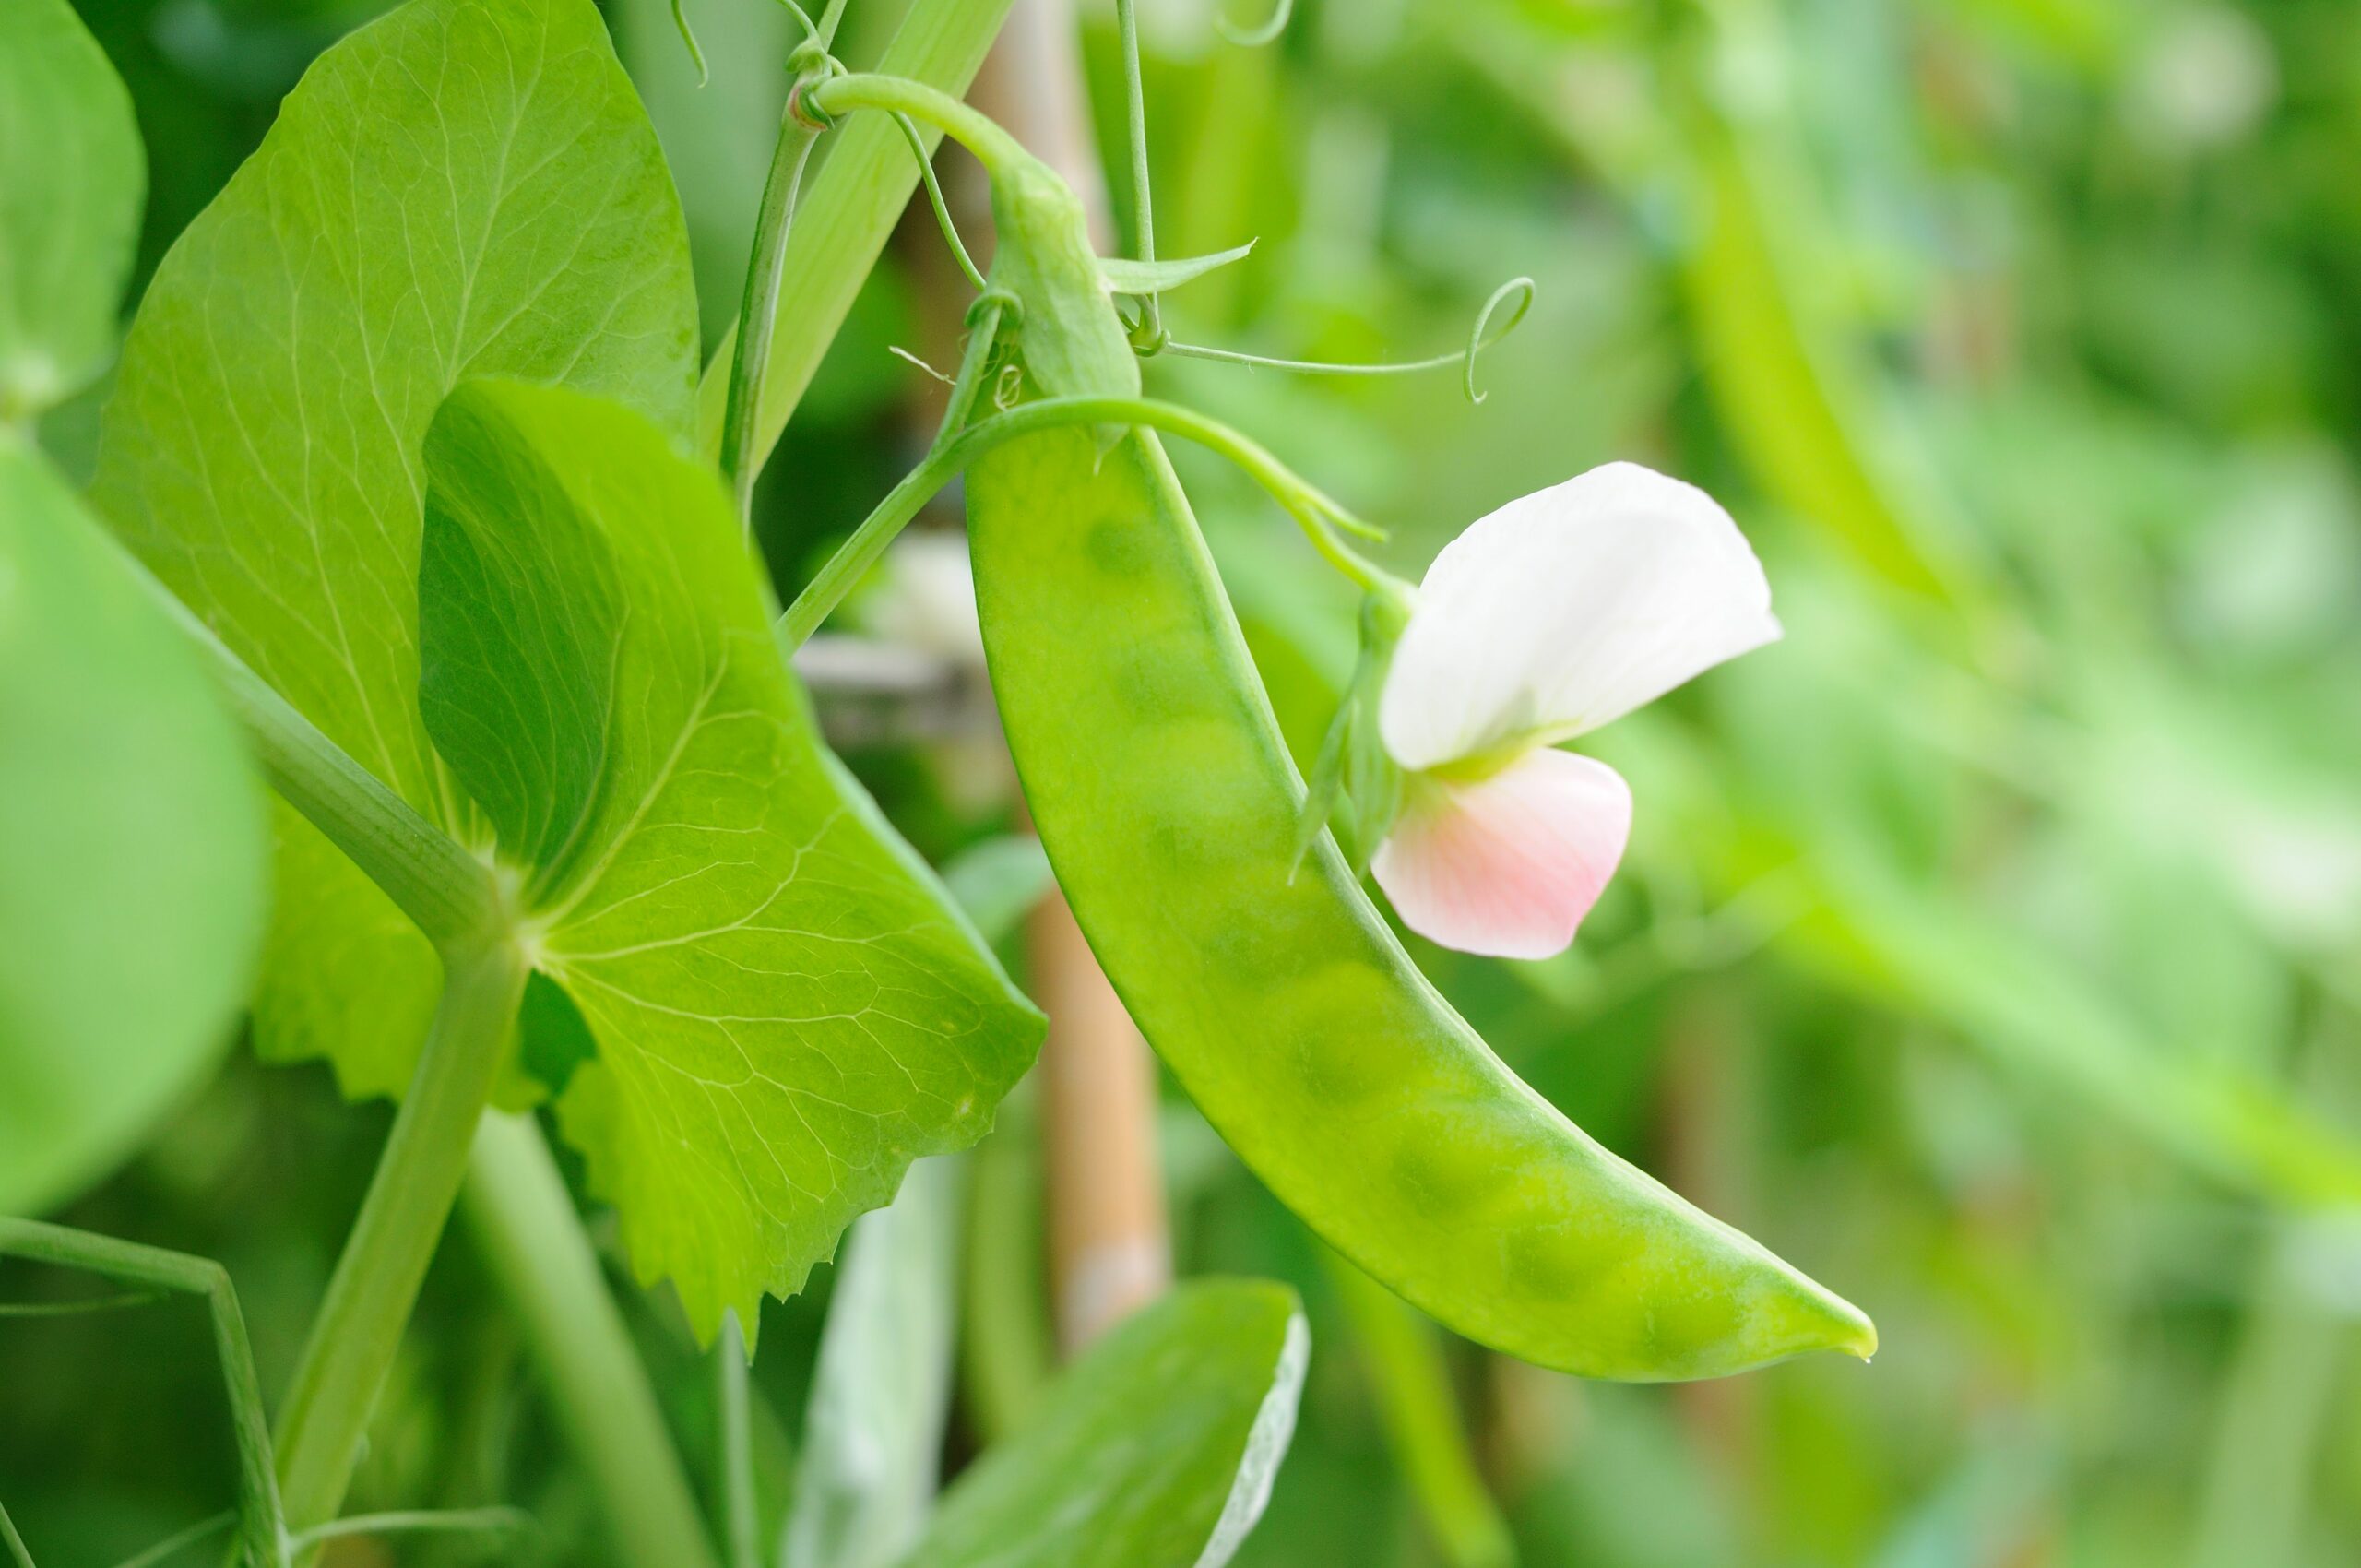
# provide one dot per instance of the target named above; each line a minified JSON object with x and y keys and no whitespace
{"x":1168,"y":803}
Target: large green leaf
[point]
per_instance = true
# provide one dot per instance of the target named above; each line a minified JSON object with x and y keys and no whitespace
{"x":131,"y":849}
{"x":71,"y":173}
{"x":787,"y":1008}
{"x":1157,"y":1450}
{"x":464,"y":187}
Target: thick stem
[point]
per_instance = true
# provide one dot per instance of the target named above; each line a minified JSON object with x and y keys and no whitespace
{"x":759,"y":311}
{"x":843,"y":222}
{"x":971,"y":128}
{"x":447,"y":892}
{"x":525,"y":1223}
{"x":376,"y":1281}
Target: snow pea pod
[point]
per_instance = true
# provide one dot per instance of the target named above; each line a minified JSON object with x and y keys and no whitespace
{"x":1282,"y":1002}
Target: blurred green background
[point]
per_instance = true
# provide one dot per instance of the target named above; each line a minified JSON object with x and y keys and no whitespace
{"x":1991,"y":947}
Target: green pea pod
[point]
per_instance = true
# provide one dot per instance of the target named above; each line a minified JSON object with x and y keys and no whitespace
{"x":1284,"y":1005}
{"x":1073,"y":343}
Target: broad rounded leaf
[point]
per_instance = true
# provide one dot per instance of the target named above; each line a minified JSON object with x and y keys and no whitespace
{"x":1158,"y":1449}
{"x":132,"y":851}
{"x":71,"y":175}
{"x":785,"y":1006}
{"x":464,"y":187}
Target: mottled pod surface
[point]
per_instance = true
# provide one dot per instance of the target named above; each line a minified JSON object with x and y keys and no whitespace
{"x":1284,"y":1005}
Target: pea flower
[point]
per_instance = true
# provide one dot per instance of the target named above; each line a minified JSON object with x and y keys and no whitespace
{"x":1550,"y":617}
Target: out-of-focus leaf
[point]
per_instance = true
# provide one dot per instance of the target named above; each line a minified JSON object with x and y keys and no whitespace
{"x":1789,"y":391}
{"x":2016,"y":999}
{"x":787,"y":1009}
{"x":455,"y":189}
{"x":872,"y":1433}
{"x":1158,"y":1449}
{"x":71,"y":175}
{"x":132,"y":856}
{"x":997,"y":882}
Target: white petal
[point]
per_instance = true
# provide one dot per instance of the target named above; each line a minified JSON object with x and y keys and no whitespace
{"x":1567,"y":609}
{"x":1508,"y":866}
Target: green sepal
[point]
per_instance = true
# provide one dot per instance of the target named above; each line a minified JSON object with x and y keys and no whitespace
{"x":1124,"y":277}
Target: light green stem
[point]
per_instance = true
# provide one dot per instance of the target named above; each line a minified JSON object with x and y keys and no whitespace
{"x":1404,"y":1363}
{"x":759,"y":309}
{"x":971,"y":128}
{"x":842,"y":222}
{"x":261,"y":1526}
{"x":525,"y":1222}
{"x":446,"y":891}
{"x":1150,"y":335}
{"x":376,"y":1281}
{"x":838,"y":576}
{"x":737,"y":1512}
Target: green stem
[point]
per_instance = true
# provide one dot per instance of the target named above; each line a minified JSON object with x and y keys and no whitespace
{"x":1405,"y":1370}
{"x":759,"y":307}
{"x":1151,"y":328}
{"x":376,"y":1281}
{"x":970,"y":128}
{"x":446,"y":891}
{"x":526,"y":1225}
{"x":737,"y":1446}
{"x":983,"y":336}
{"x":844,"y":221}
{"x":16,"y":1543}
{"x":261,"y":1525}
{"x":1311,"y":509}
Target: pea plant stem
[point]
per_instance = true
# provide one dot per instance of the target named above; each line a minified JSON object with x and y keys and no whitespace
{"x":448,"y":892}
{"x":972,"y":129}
{"x":261,"y":1525}
{"x":524,"y":1222}
{"x":759,"y":311}
{"x":1127,"y":25}
{"x":837,"y":575}
{"x":376,"y":1281}
{"x":737,"y":1511}
{"x":842,"y":222}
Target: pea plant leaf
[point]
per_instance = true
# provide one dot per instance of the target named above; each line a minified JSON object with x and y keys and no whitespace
{"x":463,"y":187}
{"x":132,"y":868}
{"x":71,"y":175}
{"x":1158,"y":1449}
{"x":786,"y":1008}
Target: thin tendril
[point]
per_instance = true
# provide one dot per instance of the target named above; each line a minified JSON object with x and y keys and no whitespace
{"x":74,"y":1308}
{"x":934,"y":199}
{"x":689,"y":36}
{"x":164,"y":1549}
{"x":415,"y":1521}
{"x":1477,"y":342}
{"x":1254,"y":37}
{"x":812,"y":33}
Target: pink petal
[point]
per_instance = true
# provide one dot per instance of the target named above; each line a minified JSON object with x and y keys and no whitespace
{"x":1507,"y":866}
